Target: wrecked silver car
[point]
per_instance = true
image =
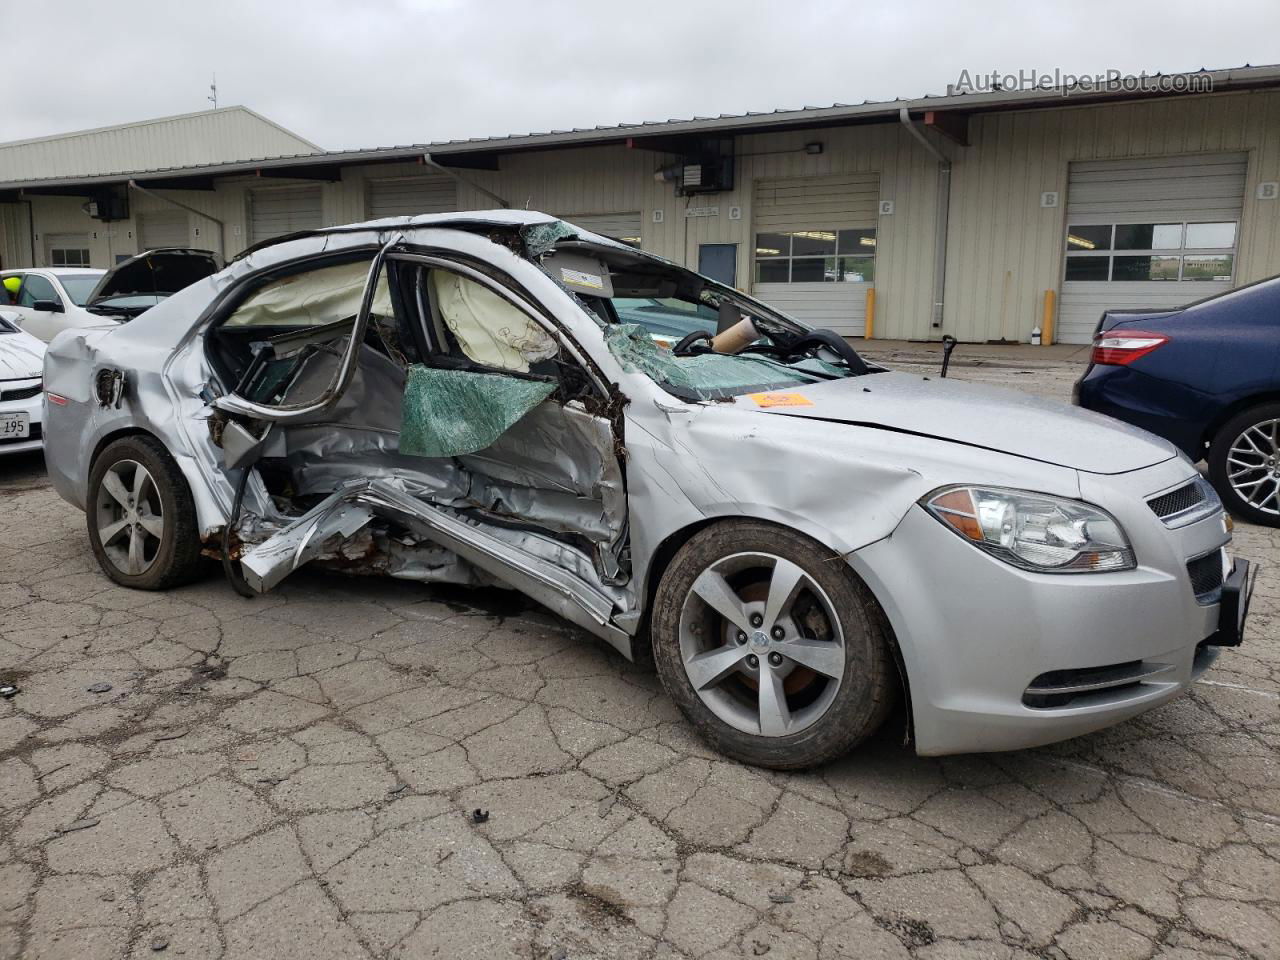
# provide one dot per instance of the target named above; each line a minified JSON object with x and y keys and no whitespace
{"x":795,"y":536}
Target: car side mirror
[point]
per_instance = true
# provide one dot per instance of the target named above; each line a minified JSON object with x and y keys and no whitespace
{"x":47,"y":306}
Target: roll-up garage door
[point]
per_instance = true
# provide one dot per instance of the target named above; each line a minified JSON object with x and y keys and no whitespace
{"x":409,"y":196}
{"x":1148,"y":233}
{"x":281,"y":210}
{"x":163,"y":229}
{"x":815,"y":247}
{"x":619,"y":226}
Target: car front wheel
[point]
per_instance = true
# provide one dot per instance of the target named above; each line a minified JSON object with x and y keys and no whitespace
{"x":774,"y":652}
{"x":142,"y":522}
{"x":1244,"y":464}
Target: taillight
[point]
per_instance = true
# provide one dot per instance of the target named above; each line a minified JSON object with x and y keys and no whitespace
{"x":1119,"y":348}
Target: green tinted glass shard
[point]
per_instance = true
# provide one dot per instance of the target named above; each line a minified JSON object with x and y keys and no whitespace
{"x":541,"y":237}
{"x":448,"y":413}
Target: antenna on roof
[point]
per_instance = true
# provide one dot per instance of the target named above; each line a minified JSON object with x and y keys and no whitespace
{"x":213,"y":92}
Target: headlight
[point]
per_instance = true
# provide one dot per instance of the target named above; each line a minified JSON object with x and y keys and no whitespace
{"x":1034,"y":531}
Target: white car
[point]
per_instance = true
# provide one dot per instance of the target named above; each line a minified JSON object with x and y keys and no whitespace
{"x":51,"y":299}
{"x":21,"y":370}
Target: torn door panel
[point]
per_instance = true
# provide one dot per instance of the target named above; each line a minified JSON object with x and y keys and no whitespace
{"x":551,"y":572}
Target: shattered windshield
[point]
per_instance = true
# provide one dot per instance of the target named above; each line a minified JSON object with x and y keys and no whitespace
{"x":705,"y":375}
{"x":691,"y":336}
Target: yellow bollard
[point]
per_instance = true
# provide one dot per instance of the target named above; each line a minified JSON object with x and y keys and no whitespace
{"x":1046,"y":318}
{"x":870,"y":330}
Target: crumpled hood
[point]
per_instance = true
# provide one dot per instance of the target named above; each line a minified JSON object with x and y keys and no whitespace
{"x":992,"y":417}
{"x":21,"y":356}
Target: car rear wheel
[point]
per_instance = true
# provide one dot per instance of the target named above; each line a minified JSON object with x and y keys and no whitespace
{"x":141,"y":519}
{"x":1244,"y":464}
{"x":776,"y":654}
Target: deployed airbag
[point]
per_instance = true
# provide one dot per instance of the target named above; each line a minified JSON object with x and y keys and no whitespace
{"x":448,"y":413}
{"x":489,"y":329}
{"x":313,"y":298}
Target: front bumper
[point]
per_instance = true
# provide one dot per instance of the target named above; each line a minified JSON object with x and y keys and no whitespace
{"x":31,"y":407}
{"x":977,"y":635}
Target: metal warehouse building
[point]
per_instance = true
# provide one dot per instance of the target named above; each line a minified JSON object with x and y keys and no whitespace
{"x":980,"y":215}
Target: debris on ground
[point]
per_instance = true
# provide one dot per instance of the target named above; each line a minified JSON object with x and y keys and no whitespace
{"x":781,"y":898}
{"x":8,"y":691}
{"x":479,"y":816}
{"x":100,"y":687}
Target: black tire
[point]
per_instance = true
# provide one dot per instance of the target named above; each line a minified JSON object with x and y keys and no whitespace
{"x":868,"y":684}
{"x":177,"y":558}
{"x":1219,"y":474}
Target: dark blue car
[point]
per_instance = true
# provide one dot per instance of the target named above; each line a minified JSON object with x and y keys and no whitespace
{"x":1205,"y":377}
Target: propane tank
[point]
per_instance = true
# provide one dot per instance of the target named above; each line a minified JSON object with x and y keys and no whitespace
{"x":1035,"y":337}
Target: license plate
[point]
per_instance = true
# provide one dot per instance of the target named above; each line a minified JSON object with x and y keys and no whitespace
{"x":14,"y":426}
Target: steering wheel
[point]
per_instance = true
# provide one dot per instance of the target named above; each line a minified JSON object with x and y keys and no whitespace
{"x":681,"y":349}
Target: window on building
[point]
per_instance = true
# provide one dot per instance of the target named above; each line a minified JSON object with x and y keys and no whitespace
{"x":816,"y":256}
{"x":1147,"y":252}
{"x":68,"y":257}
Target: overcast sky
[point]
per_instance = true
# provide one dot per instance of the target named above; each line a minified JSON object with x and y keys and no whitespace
{"x":372,"y":73}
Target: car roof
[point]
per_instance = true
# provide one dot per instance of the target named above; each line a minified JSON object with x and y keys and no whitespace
{"x":58,"y":271}
{"x":461,"y":218}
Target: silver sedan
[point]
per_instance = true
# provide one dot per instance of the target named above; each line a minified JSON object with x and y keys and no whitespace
{"x":797,"y":538}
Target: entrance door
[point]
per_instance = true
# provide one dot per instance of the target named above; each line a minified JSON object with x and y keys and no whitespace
{"x":1148,"y":233}
{"x":719,"y":261}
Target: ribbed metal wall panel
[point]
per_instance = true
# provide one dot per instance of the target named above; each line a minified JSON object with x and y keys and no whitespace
{"x":212,"y":136}
{"x":163,"y":228}
{"x":280,"y":210}
{"x":408,"y":196}
{"x":1006,"y":249}
{"x":621,"y":226}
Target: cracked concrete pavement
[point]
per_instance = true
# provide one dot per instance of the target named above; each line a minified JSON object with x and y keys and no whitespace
{"x":296,"y":775}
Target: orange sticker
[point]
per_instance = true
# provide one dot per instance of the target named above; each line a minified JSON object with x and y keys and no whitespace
{"x":781,"y":399}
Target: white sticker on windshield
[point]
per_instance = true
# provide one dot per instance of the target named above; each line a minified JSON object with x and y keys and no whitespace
{"x":576,"y":278}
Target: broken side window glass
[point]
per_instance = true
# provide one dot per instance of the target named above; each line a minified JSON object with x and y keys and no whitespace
{"x":449,"y":413}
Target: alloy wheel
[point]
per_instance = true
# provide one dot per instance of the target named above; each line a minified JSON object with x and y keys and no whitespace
{"x":130,"y":517}
{"x":1253,"y":466}
{"x":761,"y":644}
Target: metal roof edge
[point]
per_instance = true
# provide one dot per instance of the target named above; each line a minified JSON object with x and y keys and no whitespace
{"x":1223,"y":81}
